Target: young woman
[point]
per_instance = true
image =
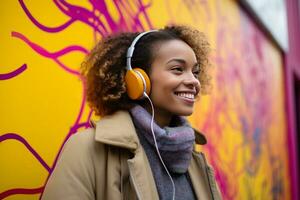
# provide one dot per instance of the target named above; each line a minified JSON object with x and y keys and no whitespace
{"x":142,"y":148}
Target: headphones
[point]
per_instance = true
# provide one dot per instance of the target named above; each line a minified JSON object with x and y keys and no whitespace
{"x":137,"y":81}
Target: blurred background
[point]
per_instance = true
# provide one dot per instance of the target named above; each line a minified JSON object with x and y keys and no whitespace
{"x":251,"y":119}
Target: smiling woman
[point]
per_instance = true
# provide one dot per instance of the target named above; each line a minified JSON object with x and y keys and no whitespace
{"x":143,"y":85}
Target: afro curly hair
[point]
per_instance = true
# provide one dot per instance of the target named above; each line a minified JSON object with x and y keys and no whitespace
{"x":104,"y":68}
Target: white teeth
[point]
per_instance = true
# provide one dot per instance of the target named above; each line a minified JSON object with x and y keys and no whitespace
{"x":186,"y":95}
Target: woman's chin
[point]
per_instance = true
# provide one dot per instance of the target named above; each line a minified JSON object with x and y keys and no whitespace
{"x":184,"y":112}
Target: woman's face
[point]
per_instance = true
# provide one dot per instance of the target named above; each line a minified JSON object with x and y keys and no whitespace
{"x":174,"y":78}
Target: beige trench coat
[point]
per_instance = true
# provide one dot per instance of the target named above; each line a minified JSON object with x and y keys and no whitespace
{"x":108,"y":162}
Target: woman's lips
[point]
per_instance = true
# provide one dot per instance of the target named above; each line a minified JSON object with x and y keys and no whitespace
{"x":188,"y":97}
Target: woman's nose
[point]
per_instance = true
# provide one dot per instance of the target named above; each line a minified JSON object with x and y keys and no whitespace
{"x":191,"y":80}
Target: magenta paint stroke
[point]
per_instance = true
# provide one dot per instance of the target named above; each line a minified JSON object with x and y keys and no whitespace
{"x":26,"y":191}
{"x":82,"y":14}
{"x":129,"y":16}
{"x":13,"y":73}
{"x":55,"y":55}
{"x":42,"y":27}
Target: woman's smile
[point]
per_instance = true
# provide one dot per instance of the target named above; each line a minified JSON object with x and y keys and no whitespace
{"x":188,"y":97}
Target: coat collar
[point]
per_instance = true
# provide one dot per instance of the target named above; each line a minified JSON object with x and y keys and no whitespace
{"x":118,"y":130}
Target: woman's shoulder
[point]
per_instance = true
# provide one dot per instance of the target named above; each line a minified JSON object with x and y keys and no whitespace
{"x":82,"y":145}
{"x":82,"y":139}
{"x":75,"y":165}
{"x":83,"y":136}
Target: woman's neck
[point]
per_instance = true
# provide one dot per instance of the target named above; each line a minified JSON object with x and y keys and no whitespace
{"x":162,"y":118}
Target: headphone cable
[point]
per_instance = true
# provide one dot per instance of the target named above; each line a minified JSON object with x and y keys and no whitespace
{"x":156,"y":146}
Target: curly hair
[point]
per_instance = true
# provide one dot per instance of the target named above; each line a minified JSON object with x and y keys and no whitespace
{"x":105,"y":66}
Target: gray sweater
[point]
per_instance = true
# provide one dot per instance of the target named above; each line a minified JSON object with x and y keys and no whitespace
{"x":183,"y":186}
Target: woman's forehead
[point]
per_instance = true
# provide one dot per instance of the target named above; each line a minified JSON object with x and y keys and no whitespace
{"x":173,"y":50}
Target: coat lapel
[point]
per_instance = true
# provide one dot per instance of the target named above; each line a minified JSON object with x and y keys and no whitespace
{"x":198,"y":175}
{"x":118,"y":130}
{"x":141,"y":176}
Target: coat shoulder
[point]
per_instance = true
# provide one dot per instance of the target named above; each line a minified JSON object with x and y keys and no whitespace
{"x":80,"y":145}
{"x":74,"y":174}
{"x":85,"y":136}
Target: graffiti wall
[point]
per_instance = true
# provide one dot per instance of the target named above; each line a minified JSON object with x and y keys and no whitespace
{"x":42,"y":98}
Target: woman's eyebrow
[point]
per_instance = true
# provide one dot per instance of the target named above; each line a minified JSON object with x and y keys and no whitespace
{"x":177,"y":60}
{"x":182,"y":61}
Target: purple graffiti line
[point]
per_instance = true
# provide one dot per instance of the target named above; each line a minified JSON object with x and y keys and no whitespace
{"x":82,"y":14}
{"x":54,"y":56}
{"x":74,"y":12}
{"x":93,"y":19}
{"x":14,"y":136}
{"x":45,"y":28}
{"x":85,"y":124}
{"x":98,"y":17}
{"x":20,"y":191}
{"x":13,"y":73}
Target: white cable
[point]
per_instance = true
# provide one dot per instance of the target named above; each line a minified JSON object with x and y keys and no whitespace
{"x":156,"y":147}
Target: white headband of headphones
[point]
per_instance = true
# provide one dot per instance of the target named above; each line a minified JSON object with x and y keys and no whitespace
{"x":131,"y":48}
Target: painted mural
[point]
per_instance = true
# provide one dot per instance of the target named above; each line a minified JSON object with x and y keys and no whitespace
{"x":42,"y":99}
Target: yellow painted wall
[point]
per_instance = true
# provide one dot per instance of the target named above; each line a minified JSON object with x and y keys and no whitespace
{"x":42,"y":100}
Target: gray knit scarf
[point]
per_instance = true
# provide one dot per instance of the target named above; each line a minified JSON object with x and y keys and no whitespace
{"x":175,"y":142}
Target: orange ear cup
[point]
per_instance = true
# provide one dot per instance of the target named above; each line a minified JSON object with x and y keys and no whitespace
{"x":137,"y":82}
{"x":146,"y":79}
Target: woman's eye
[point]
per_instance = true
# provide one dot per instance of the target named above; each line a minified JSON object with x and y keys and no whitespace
{"x":177,"y":69}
